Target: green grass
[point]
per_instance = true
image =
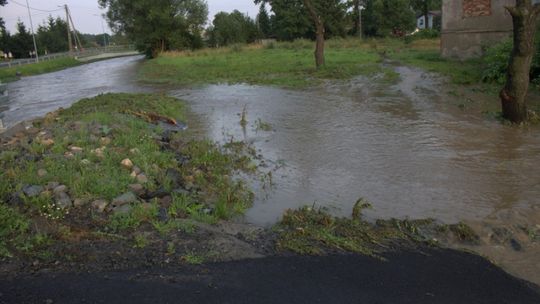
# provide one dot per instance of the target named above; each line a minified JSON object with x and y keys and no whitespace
{"x":425,"y":54}
{"x":286,"y":66}
{"x":105,"y":123}
{"x":16,"y":234}
{"x":10,"y":74}
{"x":291,"y":64}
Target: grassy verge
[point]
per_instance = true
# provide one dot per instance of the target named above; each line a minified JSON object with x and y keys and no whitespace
{"x":284,"y":64}
{"x":110,"y":166}
{"x":10,"y":74}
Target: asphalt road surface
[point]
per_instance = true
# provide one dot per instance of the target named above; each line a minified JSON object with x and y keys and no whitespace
{"x":434,"y":276}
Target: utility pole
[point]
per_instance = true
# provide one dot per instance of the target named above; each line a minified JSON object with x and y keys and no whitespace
{"x":68,"y":30}
{"x":32,"y":28}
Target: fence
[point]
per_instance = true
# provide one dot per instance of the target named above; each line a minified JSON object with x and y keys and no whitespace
{"x":76,"y":54}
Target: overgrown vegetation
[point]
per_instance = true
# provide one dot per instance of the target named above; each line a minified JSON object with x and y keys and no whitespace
{"x":314,"y":231}
{"x":110,"y":165}
{"x":10,"y":74}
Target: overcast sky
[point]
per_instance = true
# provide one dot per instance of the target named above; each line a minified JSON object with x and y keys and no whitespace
{"x":87,"y":15}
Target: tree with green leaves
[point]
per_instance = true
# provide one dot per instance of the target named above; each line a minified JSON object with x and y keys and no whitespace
{"x":356,"y":16}
{"x":317,"y":19}
{"x":52,"y":36}
{"x":158,"y":25}
{"x":21,"y":43}
{"x":387,"y":17}
{"x":232,"y":28}
{"x":3,"y":32}
{"x":264,"y":22}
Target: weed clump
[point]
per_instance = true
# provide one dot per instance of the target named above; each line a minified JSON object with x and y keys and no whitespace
{"x":314,"y":231}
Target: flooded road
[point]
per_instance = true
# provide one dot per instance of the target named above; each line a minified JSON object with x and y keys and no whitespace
{"x":407,"y":148}
{"x":35,"y":96}
{"x":404,"y":148}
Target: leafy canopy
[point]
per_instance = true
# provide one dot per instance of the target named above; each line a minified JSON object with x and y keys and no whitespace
{"x":158,"y":25}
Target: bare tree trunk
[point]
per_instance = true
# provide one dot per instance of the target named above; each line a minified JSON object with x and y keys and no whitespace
{"x":319,"y":48}
{"x":514,"y":94}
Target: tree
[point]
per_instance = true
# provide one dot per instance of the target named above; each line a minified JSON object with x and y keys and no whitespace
{"x":319,"y":30}
{"x":52,"y":36}
{"x":514,"y":94}
{"x":158,"y":25}
{"x":386,"y":17}
{"x":356,"y":15}
{"x":3,"y":31}
{"x":21,"y":43}
{"x":232,"y":28}
{"x":317,"y":19}
{"x":264,"y":23}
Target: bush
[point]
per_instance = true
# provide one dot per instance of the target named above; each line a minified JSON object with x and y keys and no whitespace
{"x":496,"y":61}
{"x":427,"y":34}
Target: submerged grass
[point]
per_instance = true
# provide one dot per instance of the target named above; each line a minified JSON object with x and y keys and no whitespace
{"x":10,"y":74}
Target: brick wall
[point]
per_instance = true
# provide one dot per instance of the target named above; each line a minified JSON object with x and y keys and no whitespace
{"x":476,"y":8}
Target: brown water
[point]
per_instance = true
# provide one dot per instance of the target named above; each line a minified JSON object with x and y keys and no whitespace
{"x":408,"y":148}
{"x":36,"y":96}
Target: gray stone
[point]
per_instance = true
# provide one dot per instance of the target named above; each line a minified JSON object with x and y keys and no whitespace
{"x":63,"y":200}
{"x":163,"y":215}
{"x":174,"y":176}
{"x":32,"y":191}
{"x":60,"y":189}
{"x":124,"y":209}
{"x":141,"y":178}
{"x":515,"y":245}
{"x":52,"y":185}
{"x":42,"y":172}
{"x":100,"y":205}
{"x":136,"y":188}
{"x":79,"y":202}
{"x":124,"y":199}
{"x":75,"y":149}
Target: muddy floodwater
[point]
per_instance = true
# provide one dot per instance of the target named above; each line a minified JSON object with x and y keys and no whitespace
{"x":36,"y":96}
{"x":414,"y":148}
{"x":403,"y":147}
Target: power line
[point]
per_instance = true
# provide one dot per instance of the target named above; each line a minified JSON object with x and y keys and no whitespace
{"x":35,"y":9}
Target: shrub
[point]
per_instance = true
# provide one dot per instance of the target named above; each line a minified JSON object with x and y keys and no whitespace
{"x":496,"y":61}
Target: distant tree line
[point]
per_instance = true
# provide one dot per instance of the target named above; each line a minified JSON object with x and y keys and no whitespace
{"x":51,"y":37}
{"x":161,"y":25}
{"x":288,"y":20}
